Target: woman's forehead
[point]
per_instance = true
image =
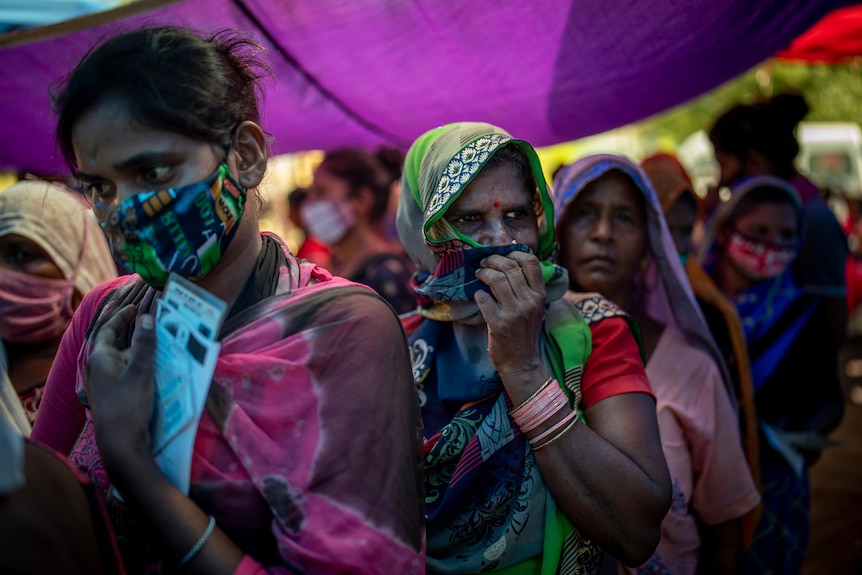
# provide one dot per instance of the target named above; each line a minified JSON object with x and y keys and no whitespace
{"x":108,"y":136}
{"x":499,"y":178}
{"x":768,"y":212}
{"x":612,"y":186}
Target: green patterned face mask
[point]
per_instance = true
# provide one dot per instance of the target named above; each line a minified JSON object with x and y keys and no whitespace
{"x":185,"y":230}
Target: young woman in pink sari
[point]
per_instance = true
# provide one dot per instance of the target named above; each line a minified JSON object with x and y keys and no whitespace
{"x":288,"y":475}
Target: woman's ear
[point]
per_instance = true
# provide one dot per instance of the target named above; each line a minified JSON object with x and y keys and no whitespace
{"x":249,"y":149}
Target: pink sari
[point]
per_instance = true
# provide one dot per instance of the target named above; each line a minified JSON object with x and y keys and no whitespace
{"x":307,"y":454}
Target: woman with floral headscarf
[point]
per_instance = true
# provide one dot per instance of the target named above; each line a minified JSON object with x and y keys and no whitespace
{"x":541,"y":443}
{"x":614,"y":240}
{"x":748,"y":252}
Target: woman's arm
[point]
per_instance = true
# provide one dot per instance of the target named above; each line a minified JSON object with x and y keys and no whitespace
{"x":609,"y":477}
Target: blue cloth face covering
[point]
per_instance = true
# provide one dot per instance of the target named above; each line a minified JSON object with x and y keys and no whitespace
{"x":454,"y":278}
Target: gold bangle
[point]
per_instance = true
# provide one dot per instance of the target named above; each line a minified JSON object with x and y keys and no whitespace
{"x":533,"y":396}
{"x":557,"y":436}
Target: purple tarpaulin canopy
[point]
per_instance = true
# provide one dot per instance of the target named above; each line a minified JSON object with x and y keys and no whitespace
{"x":371,"y":72}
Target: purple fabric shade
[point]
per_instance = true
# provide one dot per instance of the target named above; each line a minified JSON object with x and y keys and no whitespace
{"x":372,"y":72}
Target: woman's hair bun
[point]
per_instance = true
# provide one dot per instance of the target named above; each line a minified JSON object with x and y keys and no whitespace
{"x":788,"y":108}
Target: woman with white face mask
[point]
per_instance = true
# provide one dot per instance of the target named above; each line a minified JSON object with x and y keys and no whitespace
{"x":344,"y":209}
{"x":52,"y":253}
{"x":749,"y":249}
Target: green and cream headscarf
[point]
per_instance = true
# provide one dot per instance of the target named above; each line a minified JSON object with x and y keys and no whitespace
{"x":439,"y":166}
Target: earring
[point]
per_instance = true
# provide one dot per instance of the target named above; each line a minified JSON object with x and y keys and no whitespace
{"x":514,"y":241}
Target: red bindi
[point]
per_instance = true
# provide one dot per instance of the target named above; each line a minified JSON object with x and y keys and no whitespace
{"x":496,"y":204}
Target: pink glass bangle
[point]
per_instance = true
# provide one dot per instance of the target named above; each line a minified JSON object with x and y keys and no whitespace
{"x":536,"y":442}
{"x":543,"y":406}
{"x":533,"y":396}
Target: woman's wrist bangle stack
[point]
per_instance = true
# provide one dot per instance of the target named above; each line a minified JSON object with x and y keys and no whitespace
{"x":541,"y":406}
{"x":533,"y":396}
{"x":569,"y":422}
{"x":537,"y":409}
{"x":196,"y":548}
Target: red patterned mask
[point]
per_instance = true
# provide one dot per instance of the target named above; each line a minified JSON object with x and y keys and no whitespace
{"x":758,"y":260}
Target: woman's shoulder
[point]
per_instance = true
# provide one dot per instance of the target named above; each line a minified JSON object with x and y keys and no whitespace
{"x":680,"y":366}
{"x":339,"y":297}
{"x":384,"y":264}
{"x":678,"y":349}
{"x":94,"y":298}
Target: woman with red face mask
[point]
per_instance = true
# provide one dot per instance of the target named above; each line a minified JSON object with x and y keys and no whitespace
{"x":748,"y":252}
{"x":759,"y":139}
{"x":52,"y":252}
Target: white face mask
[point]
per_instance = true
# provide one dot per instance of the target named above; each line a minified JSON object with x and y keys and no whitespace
{"x":326,"y":220}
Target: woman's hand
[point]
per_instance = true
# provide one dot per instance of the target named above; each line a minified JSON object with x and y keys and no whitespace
{"x":121,"y":394}
{"x":120,"y":386}
{"x":514,"y":314}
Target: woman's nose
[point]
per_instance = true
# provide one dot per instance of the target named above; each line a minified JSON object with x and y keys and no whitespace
{"x":495,"y":233}
{"x":602,"y":229}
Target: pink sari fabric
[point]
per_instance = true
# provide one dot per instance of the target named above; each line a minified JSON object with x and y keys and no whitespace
{"x":308,"y":452}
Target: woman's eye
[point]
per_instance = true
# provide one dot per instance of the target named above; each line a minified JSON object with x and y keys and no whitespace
{"x":156,"y":174}
{"x":516,"y":214}
{"x":761,"y":232}
{"x":21,"y":254}
{"x":466,"y":219}
{"x":787,"y":238}
{"x":624,"y":217}
{"x":583,"y":213}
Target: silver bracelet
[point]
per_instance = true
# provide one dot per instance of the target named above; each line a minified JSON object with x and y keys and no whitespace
{"x":196,"y":548}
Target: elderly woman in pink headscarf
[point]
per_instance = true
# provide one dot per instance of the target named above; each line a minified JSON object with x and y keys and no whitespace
{"x":614,"y":240}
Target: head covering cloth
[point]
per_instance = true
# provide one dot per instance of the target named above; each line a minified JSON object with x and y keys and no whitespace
{"x":669,"y":179}
{"x":59,"y":222}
